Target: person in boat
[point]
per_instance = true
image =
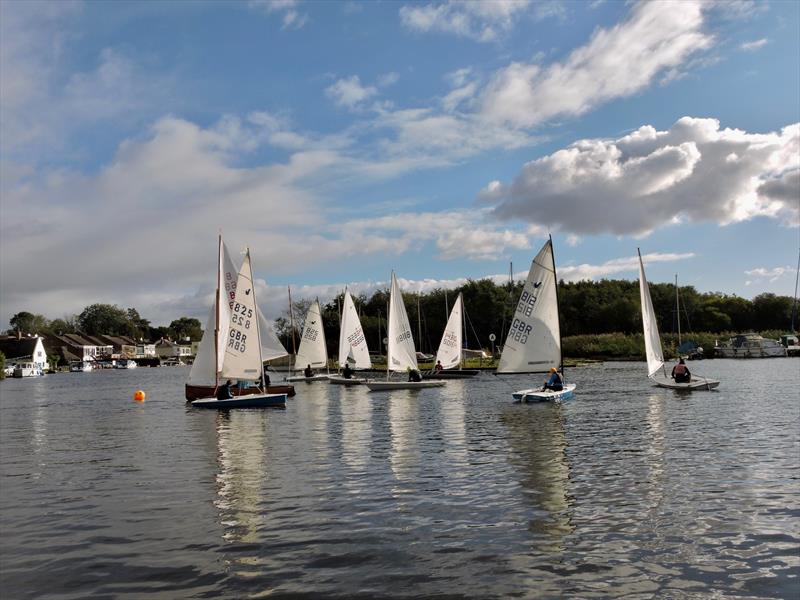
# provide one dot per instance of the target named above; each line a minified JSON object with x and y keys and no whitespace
{"x":680,"y":372}
{"x":414,"y":375}
{"x":224,"y":391}
{"x":554,"y":383}
{"x":307,"y":372}
{"x":347,"y":372}
{"x":265,"y":379}
{"x":439,"y":366}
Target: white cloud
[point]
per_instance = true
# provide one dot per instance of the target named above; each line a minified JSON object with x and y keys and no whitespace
{"x":480,"y":20}
{"x":616,"y":63}
{"x":754,"y":45}
{"x":616,"y":266}
{"x":694,"y":172}
{"x":291,"y":17}
{"x":772,"y":274}
{"x":349,"y":92}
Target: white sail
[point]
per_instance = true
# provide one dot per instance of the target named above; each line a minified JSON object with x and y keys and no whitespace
{"x":533,"y":343}
{"x":210,"y":354}
{"x":271,"y":346}
{"x":312,"y":350}
{"x":652,"y":342}
{"x":401,"y":354}
{"x":449,"y":353}
{"x":243,"y":347}
{"x":352,"y":343}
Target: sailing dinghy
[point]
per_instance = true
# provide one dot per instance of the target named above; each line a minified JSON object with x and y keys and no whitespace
{"x":312,"y":350}
{"x":656,"y":370}
{"x":353,"y":349}
{"x":401,"y":356}
{"x":237,"y":341}
{"x":450,"y":354}
{"x":533,"y":343}
{"x":205,"y":374}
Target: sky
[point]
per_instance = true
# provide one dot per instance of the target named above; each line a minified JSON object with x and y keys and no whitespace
{"x":342,"y":140}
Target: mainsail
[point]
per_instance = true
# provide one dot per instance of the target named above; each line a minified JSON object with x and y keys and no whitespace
{"x":533,"y":343}
{"x":243,"y":345}
{"x":652,"y":342}
{"x":401,"y":354}
{"x":352,"y":343}
{"x":312,"y":350}
{"x":449,"y":353}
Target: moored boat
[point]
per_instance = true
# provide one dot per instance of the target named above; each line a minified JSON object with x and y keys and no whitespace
{"x":749,"y":345}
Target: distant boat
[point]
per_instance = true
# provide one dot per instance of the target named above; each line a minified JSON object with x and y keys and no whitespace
{"x":313,"y":350}
{"x":533,"y":343}
{"x":451,"y":352}
{"x":27,"y":369}
{"x":353,"y":349}
{"x":749,"y":345}
{"x":401,"y":355}
{"x":231,"y":347}
{"x":80,"y":366}
{"x":125,"y":364}
{"x":656,"y":370}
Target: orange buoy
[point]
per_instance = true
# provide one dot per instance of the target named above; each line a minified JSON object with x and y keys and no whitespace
{"x":138,"y":396}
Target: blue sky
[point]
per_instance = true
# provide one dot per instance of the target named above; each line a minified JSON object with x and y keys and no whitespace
{"x":340,"y":140}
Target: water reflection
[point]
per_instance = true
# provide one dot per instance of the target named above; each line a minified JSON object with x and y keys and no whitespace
{"x":537,"y":436}
{"x":403,"y":424}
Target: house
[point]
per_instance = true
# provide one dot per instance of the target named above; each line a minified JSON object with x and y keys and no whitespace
{"x":18,"y":349}
{"x":77,"y":347}
{"x":168,"y":349}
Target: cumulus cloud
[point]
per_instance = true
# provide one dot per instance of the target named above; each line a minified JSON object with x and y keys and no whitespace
{"x":349,"y":92}
{"x":695,"y":171}
{"x":480,"y":20}
{"x":617,"y":62}
{"x":772,"y":274}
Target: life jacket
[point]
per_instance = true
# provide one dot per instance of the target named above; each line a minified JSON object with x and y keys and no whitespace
{"x":680,"y":369}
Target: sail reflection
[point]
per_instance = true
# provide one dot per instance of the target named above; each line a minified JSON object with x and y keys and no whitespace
{"x":654,"y":449}
{"x":538,"y":442}
{"x":356,"y":416}
{"x":403,"y":424}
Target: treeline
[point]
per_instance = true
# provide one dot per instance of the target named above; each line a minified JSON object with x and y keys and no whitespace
{"x":106,"y":319}
{"x":587,"y":308}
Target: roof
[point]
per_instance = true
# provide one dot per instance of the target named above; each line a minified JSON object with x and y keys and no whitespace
{"x":18,"y":348}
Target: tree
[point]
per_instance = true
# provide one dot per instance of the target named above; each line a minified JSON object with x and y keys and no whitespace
{"x":65,"y":325}
{"x":106,"y":319}
{"x":186,"y":327}
{"x":25,"y":323}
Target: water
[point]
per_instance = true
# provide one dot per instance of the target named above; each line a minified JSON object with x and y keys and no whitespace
{"x":626,"y":491}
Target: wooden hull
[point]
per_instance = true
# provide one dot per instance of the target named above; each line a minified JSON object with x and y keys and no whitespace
{"x":385,"y":386}
{"x":452,"y":374}
{"x":537,"y":395}
{"x":204,"y":392}
{"x":248,"y":401}
{"x":697,"y":383}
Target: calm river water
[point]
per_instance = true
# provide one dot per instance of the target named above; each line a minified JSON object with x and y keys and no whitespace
{"x":625,"y":491}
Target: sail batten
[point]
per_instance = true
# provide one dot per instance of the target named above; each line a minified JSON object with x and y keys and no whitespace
{"x":533,"y":343}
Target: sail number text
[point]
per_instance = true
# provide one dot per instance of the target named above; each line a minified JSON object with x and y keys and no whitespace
{"x":526,"y":302}
{"x":520,"y":331}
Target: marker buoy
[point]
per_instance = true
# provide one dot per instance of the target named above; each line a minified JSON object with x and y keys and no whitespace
{"x":138,"y":396}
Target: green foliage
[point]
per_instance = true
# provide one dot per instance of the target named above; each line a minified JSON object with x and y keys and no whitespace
{"x":107,"y":319}
{"x":25,"y":323}
{"x":2,"y":366}
{"x":186,"y":327}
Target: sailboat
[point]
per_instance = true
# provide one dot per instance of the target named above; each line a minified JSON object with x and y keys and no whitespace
{"x":656,"y":370}
{"x":312,"y":350}
{"x":450,"y":353}
{"x":401,"y":355}
{"x":205,"y":374}
{"x":237,"y":340}
{"x":352,"y":343}
{"x":533,"y":342}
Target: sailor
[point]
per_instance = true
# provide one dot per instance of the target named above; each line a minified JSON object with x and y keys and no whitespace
{"x":439,"y":366}
{"x":224,"y":391}
{"x":554,"y":383}
{"x":347,"y":372}
{"x":414,"y":375}
{"x":308,"y":372}
{"x":680,"y":372}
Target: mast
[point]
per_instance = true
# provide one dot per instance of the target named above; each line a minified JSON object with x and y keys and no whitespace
{"x":419,"y":323}
{"x":678,"y":313}
{"x":324,"y":341}
{"x":258,"y":328}
{"x":216,"y":314}
{"x":558,"y":310}
{"x":291,"y":325}
{"x":463,"y":332}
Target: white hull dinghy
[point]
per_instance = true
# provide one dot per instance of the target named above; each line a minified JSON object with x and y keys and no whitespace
{"x":312,"y":379}
{"x":340,"y":380}
{"x":313,"y":351}
{"x":656,"y":369}
{"x":401,"y":355}
{"x":533,"y":343}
